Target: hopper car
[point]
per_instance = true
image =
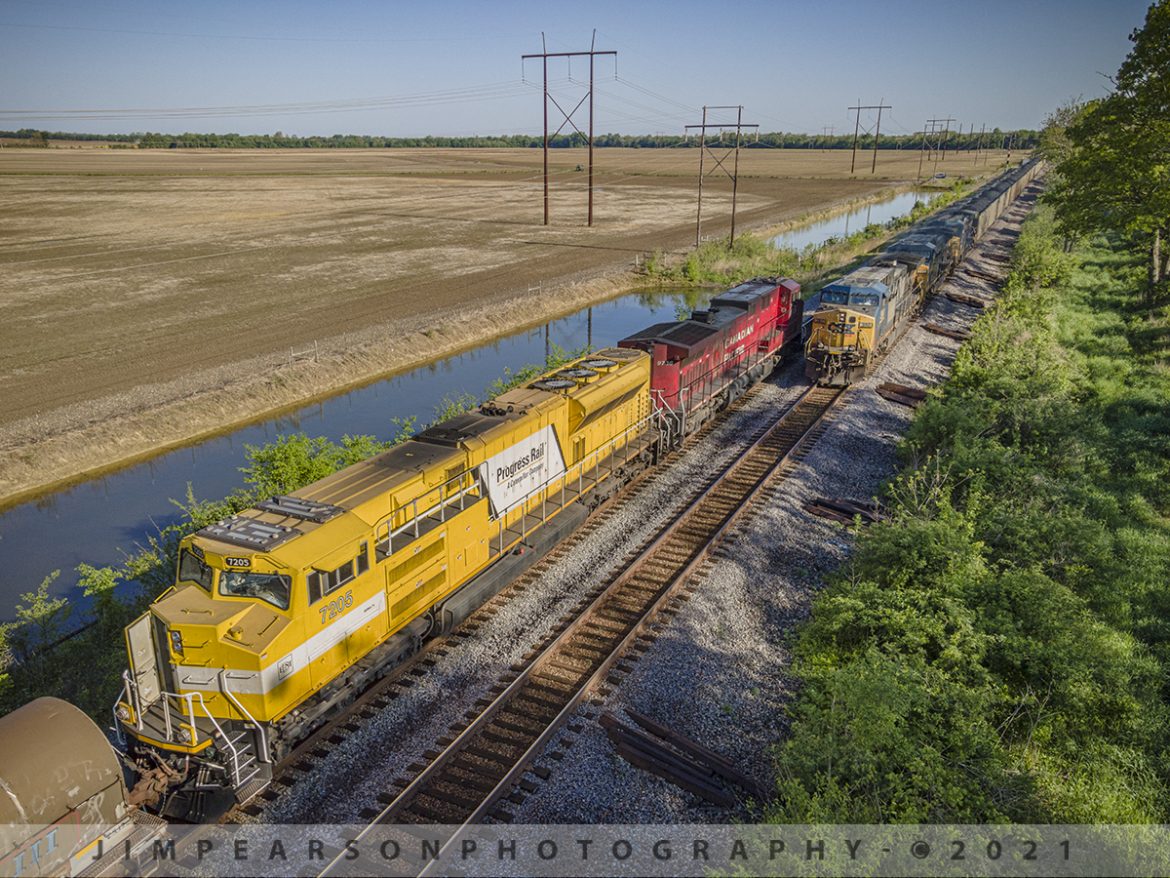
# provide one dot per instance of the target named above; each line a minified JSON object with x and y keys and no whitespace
{"x":861,"y":315}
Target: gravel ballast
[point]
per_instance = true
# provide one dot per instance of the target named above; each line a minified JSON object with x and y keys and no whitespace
{"x":719,"y":671}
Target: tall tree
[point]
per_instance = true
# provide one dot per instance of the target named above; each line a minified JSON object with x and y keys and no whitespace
{"x":1116,"y":173}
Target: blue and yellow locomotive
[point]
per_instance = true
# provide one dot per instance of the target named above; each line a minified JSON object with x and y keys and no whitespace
{"x":861,"y":315}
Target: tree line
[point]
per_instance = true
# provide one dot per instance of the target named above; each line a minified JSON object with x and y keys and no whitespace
{"x":998,"y":650}
{"x":994,"y":139}
{"x":1112,"y":154}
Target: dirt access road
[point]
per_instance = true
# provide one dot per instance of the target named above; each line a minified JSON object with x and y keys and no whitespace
{"x":153,"y":296}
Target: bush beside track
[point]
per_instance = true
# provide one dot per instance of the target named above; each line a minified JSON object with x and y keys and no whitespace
{"x":998,"y":649}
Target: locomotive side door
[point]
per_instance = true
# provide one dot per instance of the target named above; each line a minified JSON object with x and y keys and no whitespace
{"x":143,"y":660}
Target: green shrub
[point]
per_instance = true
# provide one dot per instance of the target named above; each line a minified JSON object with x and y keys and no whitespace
{"x":997,"y":649}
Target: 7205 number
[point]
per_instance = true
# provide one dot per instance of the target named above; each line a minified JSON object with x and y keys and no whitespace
{"x":336,"y":607}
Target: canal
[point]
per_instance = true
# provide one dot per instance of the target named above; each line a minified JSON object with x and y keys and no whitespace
{"x":102,"y":520}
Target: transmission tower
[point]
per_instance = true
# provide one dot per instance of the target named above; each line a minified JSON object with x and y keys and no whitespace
{"x":733,"y":174}
{"x":544,"y":55}
{"x":879,"y":106}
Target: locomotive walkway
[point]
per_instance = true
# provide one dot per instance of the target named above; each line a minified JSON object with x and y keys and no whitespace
{"x":465,"y":782}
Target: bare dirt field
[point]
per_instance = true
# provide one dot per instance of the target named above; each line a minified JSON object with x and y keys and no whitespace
{"x":152,"y":296}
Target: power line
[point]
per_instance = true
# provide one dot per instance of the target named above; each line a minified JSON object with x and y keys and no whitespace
{"x":544,"y":55}
{"x":733,"y":174}
{"x":492,"y":91}
{"x":254,"y":37}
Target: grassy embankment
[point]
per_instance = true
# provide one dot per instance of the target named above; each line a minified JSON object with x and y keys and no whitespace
{"x":753,"y":255}
{"x":998,"y":650}
{"x":86,"y":666}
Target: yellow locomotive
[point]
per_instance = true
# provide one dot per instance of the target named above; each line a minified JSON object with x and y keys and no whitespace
{"x":283,"y":613}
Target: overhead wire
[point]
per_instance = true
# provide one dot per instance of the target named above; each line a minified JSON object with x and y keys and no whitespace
{"x":255,"y":37}
{"x":492,"y":91}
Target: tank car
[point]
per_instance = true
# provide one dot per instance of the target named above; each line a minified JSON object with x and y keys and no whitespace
{"x":64,"y":807}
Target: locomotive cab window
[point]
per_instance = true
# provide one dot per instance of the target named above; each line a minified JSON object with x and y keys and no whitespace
{"x":193,"y":569}
{"x":324,"y":582}
{"x":269,"y":587}
{"x":834,"y":297}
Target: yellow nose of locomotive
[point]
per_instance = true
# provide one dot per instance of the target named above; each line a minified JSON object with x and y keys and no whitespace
{"x":841,"y":329}
{"x":838,"y":346}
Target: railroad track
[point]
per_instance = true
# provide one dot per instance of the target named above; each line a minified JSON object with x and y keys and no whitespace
{"x":463,"y":783}
{"x":409,"y":672}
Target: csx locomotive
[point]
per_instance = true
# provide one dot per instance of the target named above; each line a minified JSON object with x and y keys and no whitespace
{"x":862,"y":314}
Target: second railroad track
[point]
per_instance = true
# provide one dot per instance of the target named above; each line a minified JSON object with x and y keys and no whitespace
{"x":464,"y":783}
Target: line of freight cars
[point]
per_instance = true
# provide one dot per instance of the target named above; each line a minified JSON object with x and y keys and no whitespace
{"x":862,"y":314}
{"x":282,"y":613}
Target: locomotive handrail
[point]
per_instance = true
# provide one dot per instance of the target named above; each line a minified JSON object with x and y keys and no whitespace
{"x":123,"y":695}
{"x":262,"y":755}
{"x":414,"y":520}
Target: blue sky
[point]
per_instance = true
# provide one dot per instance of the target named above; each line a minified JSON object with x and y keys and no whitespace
{"x":452,"y":67}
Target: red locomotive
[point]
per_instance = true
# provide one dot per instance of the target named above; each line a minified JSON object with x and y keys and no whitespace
{"x":702,"y":364}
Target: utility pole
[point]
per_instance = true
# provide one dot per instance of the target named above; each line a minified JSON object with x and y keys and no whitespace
{"x":879,"y":106}
{"x":733,"y":174}
{"x":946,"y":136}
{"x":927,"y":130}
{"x":932,"y":140}
{"x":544,"y":55}
{"x":877,"y":134}
{"x":979,"y":148}
{"x":828,"y":131}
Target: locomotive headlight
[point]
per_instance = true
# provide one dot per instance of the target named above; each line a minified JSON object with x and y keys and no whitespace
{"x":123,"y":713}
{"x":176,"y":642}
{"x":184,"y":735}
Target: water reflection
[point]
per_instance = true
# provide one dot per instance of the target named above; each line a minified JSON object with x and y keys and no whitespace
{"x":847,"y":223}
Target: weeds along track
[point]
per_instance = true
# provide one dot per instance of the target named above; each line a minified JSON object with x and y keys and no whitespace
{"x":464,"y":782}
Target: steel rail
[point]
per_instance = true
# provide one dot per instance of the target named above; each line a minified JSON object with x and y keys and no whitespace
{"x":774,"y":445}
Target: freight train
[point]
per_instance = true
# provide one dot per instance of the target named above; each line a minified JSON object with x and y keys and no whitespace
{"x":862,"y":314}
{"x":283,"y":613}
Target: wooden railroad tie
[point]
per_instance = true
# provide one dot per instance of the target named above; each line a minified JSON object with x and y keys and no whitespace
{"x":845,"y":510}
{"x":983,"y":275}
{"x":900,"y":393}
{"x":678,"y":760}
{"x":972,"y":301}
{"x":959,"y":334}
